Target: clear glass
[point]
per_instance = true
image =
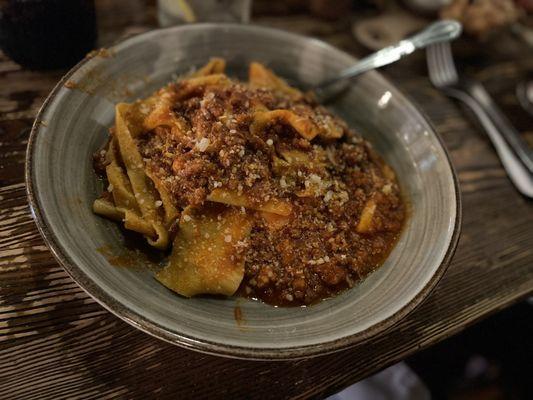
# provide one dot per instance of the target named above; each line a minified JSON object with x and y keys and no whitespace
{"x":173,"y":12}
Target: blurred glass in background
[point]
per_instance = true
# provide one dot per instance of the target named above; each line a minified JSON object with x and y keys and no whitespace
{"x":46,"y":34}
{"x":173,"y":12}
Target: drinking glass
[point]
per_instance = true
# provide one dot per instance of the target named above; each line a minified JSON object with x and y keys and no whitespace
{"x":172,"y":12}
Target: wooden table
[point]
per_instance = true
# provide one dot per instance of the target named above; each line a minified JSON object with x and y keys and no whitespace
{"x":56,"y":342}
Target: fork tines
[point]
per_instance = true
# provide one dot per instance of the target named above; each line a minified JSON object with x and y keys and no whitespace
{"x":441,"y":67}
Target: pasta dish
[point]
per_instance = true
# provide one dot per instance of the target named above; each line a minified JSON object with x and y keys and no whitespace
{"x":254,"y":188}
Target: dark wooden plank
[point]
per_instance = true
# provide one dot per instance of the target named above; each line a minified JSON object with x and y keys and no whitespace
{"x":56,"y":342}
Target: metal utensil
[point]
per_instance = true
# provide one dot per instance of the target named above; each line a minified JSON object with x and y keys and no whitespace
{"x":524,"y":93}
{"x":443,"y":75}
{"x":441,"y":31}
{"x":504,"y":126}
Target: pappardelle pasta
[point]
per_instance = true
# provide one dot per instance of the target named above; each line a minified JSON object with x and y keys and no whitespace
{"x":257,"y":190}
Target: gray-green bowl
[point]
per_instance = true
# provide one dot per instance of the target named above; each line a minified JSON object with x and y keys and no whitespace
{"x":73,"y":123}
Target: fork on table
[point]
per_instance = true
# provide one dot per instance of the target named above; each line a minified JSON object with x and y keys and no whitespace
{"x":515,"y":154}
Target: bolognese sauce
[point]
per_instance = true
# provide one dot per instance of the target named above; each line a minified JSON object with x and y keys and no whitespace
{"x":334,"y":209}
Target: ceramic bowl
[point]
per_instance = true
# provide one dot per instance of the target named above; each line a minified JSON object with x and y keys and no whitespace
{"x":73,"y":123}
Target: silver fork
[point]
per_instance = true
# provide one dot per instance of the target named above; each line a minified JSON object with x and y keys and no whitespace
{"x":505,"y":139}
{"x":440,"y":31}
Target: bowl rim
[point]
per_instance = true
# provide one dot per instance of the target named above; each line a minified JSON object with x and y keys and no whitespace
{"x":201,"y":345}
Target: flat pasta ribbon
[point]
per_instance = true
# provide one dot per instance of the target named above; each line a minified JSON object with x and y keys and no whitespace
{"x":192,"y":85}
{"x":161,"y":114}
{"x":170,"y":210}
{"x":214,"y":66}
{"x":260,"y":76}
{"x":205,"y":256}
{"x":119,"y":182}
{"x":145,"y":195}
{"x":275,"y":206}
{"x":124,"y":206}
{"x":131,"y":220}
{"x":303,"y":125}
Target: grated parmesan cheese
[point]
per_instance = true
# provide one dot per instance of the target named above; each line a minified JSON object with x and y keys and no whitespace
{"x":202,"y":144}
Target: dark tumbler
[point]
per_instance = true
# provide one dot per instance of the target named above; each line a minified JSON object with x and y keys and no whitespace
{"x":47,"y":34}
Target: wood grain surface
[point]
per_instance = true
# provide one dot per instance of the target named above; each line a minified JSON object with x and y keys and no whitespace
{"x":56,"y":342}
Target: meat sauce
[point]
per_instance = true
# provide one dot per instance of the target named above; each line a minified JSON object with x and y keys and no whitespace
{"x":347,"y":210}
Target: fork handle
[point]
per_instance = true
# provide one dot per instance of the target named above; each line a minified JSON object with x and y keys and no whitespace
{"x":440,"y":31}
{"x":502,"y":123}
{"x":517,"y":172}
